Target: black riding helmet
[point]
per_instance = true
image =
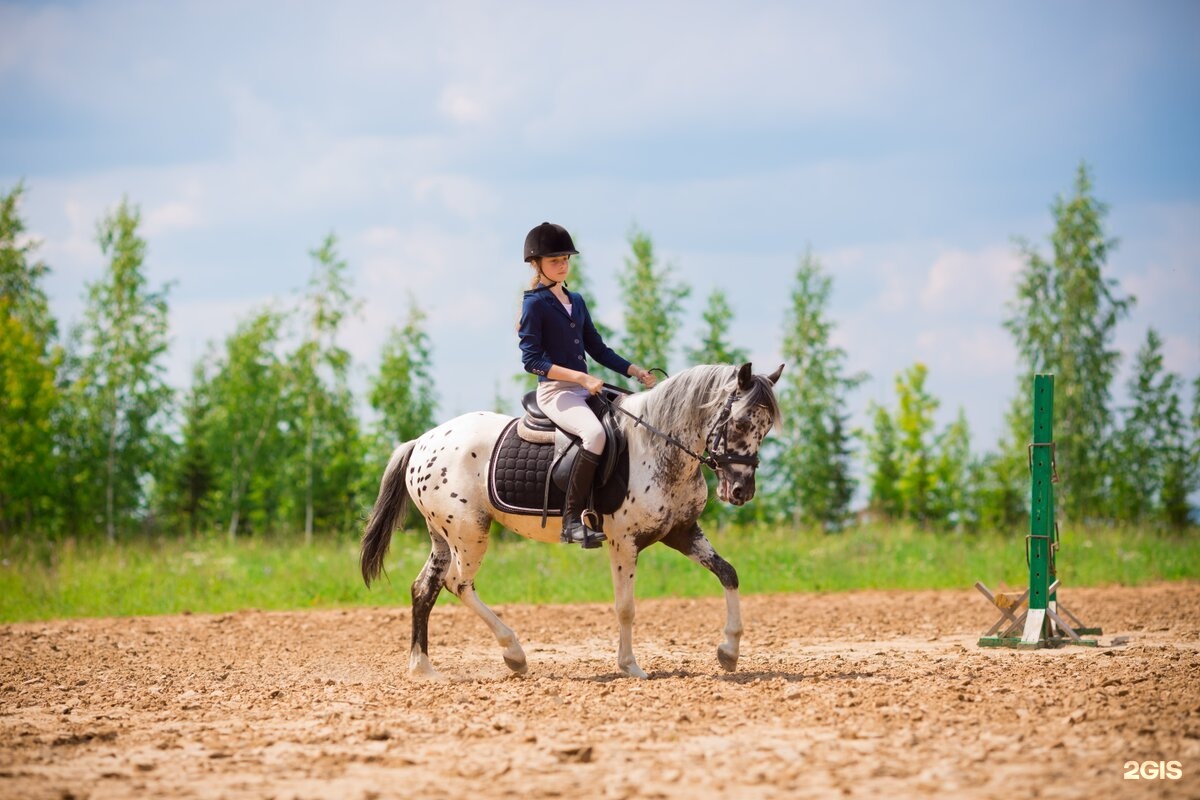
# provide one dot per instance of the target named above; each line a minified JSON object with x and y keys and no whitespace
{"x":548,"y":239}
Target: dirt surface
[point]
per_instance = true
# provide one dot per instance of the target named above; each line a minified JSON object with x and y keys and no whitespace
{"x":870,"y":694}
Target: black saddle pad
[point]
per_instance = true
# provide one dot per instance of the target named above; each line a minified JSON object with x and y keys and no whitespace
{"x":517,"y":478}
{"x":517,"y":475}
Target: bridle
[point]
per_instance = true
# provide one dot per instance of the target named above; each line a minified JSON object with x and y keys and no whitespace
{"x":718,"y":435}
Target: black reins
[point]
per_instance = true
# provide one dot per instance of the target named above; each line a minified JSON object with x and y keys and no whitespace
{"x":717,"y":436}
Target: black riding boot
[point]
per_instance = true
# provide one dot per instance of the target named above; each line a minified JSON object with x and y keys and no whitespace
{"x":578,"y":488}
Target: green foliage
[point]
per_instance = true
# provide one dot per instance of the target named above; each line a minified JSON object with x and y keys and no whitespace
{"x":402,"y":392}
{"x":914,"y":428}
{"x":1150,"y":478}
{"x":715,"y":347}
{"x":1063,"y":321}
{"x":117,"y":398}
{"x":917,"y":474}
{"x":883,"y":464}
{"x":29,"y":397}
{"x":1004,"y":475}
{"x":191,"y":473}
{"x":21,"y":275}
{"x":653,"y":305}
{"x":811,"y":454}
{"x":235,"y":427}
{"x":319,"y":402}
{"x":953,"y":497}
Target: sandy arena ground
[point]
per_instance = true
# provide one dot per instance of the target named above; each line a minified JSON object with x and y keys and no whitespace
{"x":869,"y":694}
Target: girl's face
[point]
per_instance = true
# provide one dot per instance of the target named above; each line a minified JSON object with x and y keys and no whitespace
{"x":555,"y":268}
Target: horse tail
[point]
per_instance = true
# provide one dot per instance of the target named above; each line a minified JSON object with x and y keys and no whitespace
{"x":391,"y":507}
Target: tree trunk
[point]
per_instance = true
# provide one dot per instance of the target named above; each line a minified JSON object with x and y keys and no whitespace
{"x":308,"y":478}
{"x":111,"y":469}
{"x":308,"y":452}
{"x":234,"y":499}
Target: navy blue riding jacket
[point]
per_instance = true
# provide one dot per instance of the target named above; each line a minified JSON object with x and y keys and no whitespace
{"x":549,"y":335}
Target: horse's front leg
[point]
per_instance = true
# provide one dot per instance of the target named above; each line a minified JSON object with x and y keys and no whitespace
{"x":622,"y":558}
{"x":695,"y":545}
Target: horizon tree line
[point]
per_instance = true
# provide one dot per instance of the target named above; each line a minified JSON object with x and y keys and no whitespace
{"x":266,"y":437}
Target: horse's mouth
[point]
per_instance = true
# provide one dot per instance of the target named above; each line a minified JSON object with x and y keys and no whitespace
{"x":726,"y":495}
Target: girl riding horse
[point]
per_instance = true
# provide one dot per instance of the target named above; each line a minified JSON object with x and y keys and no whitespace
{"x":555,"y":332}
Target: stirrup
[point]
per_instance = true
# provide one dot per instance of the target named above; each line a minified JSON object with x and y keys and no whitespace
{"x":580,"y":533}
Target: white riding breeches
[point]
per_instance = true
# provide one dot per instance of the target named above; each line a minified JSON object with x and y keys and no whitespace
{"x":566,"y":404}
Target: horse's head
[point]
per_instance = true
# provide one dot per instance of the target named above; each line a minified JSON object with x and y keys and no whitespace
{"x":743,"y":422}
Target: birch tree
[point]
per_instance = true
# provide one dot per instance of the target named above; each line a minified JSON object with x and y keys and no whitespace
{"x":118,"y":395}
{"x":403,"y":392}
{"x":320,"y":370}
{"x":1063,"y":321}
{"x":241,"y":426}
{"x":813,"y":451}
{"x":715,"y":347}
{"x":653,"y":305}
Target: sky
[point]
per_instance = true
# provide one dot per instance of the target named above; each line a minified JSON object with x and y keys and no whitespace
{"x":908,"y":145}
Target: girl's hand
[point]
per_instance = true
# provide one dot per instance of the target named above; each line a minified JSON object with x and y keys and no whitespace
{"x":591,"y":383}
{"x":644,"y":376}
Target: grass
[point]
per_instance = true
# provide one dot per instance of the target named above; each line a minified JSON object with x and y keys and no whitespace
{"x":46,"y":580}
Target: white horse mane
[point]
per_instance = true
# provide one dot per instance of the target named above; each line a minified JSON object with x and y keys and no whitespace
{"x":688,"y":396}
{"x":692,"y":395}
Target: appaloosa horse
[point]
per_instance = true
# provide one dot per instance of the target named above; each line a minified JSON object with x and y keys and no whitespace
{"x":726,"y":410}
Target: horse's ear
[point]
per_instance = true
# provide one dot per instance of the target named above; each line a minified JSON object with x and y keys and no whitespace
{"x":745,"y":375}
{"x":774,"y":376}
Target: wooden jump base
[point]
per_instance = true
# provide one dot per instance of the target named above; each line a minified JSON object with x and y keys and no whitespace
{"x":1039,"y":624}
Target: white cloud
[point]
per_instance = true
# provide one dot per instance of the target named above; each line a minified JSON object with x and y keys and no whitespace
{"x":968,"y":351}
{"x":968,"y":280}
{"x":464,"y":197}
{"x":465,"y":105}
{"x":171,"y":216}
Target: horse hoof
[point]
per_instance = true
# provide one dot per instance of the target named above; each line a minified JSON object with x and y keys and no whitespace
{"x":420,"y":668}
{"x":728,"y":662}
{"x":518,"y":665}
{"x":430,"y":673}
{"x":634,"y":671}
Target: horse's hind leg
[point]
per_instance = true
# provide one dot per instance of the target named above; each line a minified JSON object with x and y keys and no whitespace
{"x":695,"y":545}
{"x":425,"y":591}
{"x":469,"y":548}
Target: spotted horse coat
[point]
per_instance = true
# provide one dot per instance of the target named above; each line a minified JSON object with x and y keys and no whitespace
{"x":444,"y":474}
